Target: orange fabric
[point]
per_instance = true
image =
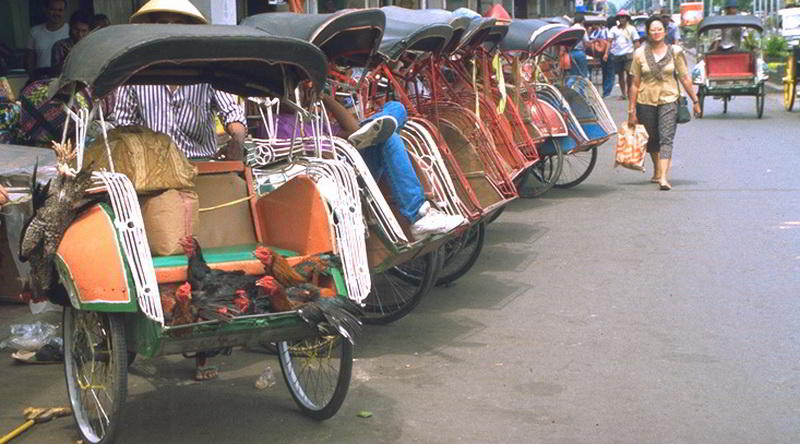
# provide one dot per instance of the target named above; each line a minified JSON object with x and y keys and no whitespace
{"x":94,"y":231}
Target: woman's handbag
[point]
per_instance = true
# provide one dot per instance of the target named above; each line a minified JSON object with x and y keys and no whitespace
{"x":630,"y":150}
{"x":684,"y":115}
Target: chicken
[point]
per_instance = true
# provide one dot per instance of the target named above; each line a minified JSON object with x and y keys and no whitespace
{"x":312,"y":267}
{"x":338,"y":313}
{"x":55,"y":206}
{"x":182,"y":313}
{"x":168,"y":301}
{"x":276,"y":265}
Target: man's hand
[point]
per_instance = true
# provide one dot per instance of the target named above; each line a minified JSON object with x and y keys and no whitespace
{"x":233,"y":150}
{"x":632,"y":120}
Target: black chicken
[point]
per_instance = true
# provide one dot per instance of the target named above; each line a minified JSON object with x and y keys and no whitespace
{"x":215,"y":289}
{"x":55,"y":206}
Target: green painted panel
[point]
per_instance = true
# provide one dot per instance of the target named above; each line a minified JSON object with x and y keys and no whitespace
{"x":218,"y":255}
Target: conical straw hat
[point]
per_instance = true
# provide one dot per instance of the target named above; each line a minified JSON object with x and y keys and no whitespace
{"x":182,"y":7}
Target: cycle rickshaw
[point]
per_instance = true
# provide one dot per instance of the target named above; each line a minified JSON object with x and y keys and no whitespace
{"x":790,"y":79}
{"x":104,"y":262}
{"x":732,"y":64}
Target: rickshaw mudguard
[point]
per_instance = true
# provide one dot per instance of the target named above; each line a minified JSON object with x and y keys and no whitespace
{"x":92,"y":266}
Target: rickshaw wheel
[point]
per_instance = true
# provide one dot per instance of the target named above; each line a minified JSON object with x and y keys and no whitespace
{"x":461,"y":254}
{"x":396,"y":291}
{"x":577,"y":167}
{"x":760,"y":101}
{"x":790,"y":83}
{"x":96,"y":369}
{"x":543,"y":175}
{"x":317,"y":372}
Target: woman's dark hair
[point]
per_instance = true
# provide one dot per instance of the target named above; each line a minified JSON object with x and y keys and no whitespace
{"x":100,"y":21}
{"x":80,"y":16}
{"x":650,"y":21}
{"x":579,"y":18}
{"x":611,"y":22}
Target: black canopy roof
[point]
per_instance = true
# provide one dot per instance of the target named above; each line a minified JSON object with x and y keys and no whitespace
{"x":477,"y":32}
{"x":537,"y":35}
{"x":546,"y":35}
{"x":347,"y":38}
{"x":237,"y":59}
{"x":405,"y":31}
{"x":496,"y":34}
{"x":730,"y":21}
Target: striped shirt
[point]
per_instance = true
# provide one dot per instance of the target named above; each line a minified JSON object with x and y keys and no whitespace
{"x":185,"y":114}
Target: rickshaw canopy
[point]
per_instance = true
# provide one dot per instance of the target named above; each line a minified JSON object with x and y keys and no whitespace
{"x":546,"y":35}
{"x":459,"y":23}
{"x":477,"y":32}
{"x":237,"y":59}
{"x":730,"y":21}
{"x":405,"y":32}
{"x":347,"y":38}
{"x":496,"y":34}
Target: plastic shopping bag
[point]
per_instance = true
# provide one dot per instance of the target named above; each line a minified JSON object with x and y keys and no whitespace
{"x":631,"y":147}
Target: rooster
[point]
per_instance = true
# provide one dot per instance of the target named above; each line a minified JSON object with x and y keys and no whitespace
{"x":182,"y":312}
{"x":312,"y":267}
{"x":55,"y":206}
{"x":276,"y":265}
{"x":318,"y":312}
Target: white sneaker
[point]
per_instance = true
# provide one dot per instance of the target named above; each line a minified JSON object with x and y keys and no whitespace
{"x":433,"y":222}
{"x":374,"y":132}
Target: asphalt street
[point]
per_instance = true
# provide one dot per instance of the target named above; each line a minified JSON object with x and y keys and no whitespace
{"x":612,"y":312}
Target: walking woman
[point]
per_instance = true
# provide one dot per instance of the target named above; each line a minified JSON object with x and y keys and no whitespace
{"x":653,"y":102}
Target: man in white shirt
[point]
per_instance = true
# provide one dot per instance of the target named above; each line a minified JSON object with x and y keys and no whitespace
{"x":624,"y":40}
{"x":42,"y":38}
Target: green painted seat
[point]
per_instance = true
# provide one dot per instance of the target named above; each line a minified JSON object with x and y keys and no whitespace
{"x":218,"y":255}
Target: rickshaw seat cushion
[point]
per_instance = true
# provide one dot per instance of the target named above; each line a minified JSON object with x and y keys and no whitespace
{"x":594,"y":131}
{"x":730,"y":65}
{"x":235,"y":253}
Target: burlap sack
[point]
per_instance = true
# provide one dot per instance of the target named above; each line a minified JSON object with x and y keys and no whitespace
{"x":168,"y":217}
{"x":151,"y":160}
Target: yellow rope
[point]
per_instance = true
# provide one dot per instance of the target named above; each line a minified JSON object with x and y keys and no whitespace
{"x":227,"y":204}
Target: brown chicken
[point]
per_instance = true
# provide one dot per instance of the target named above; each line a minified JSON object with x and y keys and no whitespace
{"x":312,"y":267}
{"x":324,"y":314}
{"x":182,"y":313}
{"x":168,"y":301}
{"x":276,"y":265}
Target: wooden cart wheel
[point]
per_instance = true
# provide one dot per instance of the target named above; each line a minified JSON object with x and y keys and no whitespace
{"x":543,"y":175}
{"x":790,"y":83}
{"x":460,"y":254}
{"x":396,"y":291}
{"x":577,"y":167}
{"x":760,"y":101}
{"x":317,"y":372}
{"x":96,"y":368}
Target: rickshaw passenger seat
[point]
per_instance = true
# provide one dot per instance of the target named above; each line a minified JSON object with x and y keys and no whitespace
{"x":236,"y":253}
{"x":730,"y":65}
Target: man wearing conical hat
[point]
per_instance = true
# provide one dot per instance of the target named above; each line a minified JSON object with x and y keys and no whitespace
{"x":185,"y":113}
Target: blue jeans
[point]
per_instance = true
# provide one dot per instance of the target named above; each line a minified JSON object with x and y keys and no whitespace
{"x":580,"y":66}
{"x":608,"y":76}
{"x":391,"y":158}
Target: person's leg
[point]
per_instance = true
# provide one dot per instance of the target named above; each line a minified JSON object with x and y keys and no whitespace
{"x":377,"y":128}
{"x":619,"y":66}
{"x":608,"y":77}
{"x":629,"y":77}
{"x":648,"y":117}
{"x":667,"y":125}
{"x":403,"y":181}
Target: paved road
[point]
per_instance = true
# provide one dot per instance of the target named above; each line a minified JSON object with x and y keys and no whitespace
{"x":609,"y":313}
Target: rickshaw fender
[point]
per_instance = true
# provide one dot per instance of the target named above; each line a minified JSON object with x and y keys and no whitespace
{"x":92,"y":265}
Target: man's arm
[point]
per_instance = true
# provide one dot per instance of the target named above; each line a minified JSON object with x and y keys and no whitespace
{"x":346,"y":120}
{"x":233,"y":117}
{"x":126,"y":109}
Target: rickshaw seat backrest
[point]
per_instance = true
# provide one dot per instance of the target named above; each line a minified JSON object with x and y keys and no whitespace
{"x":730,"y":65}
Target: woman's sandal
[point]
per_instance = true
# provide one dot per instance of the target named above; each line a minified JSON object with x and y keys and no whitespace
{"x":206,"y":373}
{"x":664,"y":186}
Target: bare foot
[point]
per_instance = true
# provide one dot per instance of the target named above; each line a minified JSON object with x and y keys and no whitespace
{"x":206,"y":373}
{"x":664,"y":186}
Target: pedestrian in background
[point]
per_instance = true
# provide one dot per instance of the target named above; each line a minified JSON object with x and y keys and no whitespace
{"x":673,"y":32}
{"x":42,"y":38}
{"x":654,"y":95}
{"x":624,"y":38}
{"x":79,"y":25}
{"x":580,"y":65}
{"x":601,"y":34}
